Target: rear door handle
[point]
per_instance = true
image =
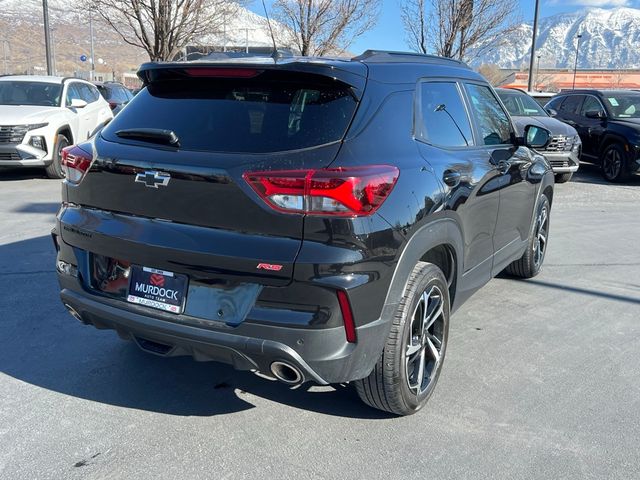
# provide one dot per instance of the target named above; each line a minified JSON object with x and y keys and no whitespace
{"x":451,"y":177}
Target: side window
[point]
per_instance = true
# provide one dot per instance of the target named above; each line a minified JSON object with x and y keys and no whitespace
{"x":591,"y":104}
{"x":85,"y":93}
{"x":572,"y":104}
{"x":122,"y":95}
{"x":443,"y":118}
{"x":493,"y":122}
{"x":95,"y":95}
{"x":73,"y":93}
{"x":104,"y":92}
{"x":554,"y":104}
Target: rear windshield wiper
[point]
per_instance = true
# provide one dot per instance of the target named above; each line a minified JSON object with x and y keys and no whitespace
{"x":151,"y":135}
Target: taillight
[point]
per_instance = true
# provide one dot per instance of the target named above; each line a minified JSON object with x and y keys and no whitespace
{"x":113,"y":105}
{"x":348,"y":191}
{"x":75,"y":163}
{"x":347,"y":316}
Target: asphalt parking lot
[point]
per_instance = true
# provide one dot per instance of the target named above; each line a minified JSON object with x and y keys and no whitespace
{"x":542,"y":377}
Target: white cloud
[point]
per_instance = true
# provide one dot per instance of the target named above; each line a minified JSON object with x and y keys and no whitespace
{"x":600,"y":3}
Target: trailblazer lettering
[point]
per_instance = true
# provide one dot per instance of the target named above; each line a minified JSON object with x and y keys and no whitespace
{"x":153,"y":290}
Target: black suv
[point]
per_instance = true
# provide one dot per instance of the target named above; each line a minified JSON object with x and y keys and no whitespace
{"x":563,"y":151}
{"x":314,"y":219}
{"x":608,"y":122}
{"x":115,"y":93}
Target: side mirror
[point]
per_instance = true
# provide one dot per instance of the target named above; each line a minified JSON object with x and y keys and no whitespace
{"x":597,"y":114}
{"x":551,"y":112}
{"x":78,"y":103}
{"x":536,"y":137}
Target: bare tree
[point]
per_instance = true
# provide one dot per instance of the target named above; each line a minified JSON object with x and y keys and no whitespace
{"x":163,"y":27}
{"x":414,"y":18}
{"x":320,"y":27}
{"x":492,"y":73}
{"x":458,"y":28}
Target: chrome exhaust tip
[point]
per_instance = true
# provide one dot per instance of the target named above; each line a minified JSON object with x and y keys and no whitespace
{"x":286,"y":373}
{"x":74,"y":313}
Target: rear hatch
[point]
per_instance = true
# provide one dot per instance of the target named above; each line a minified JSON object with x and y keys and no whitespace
{"x":183,"y":205}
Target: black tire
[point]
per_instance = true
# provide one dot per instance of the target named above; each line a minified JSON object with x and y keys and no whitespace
{"x":530,"y":263}
{"x":54,"y":169}
{"x":388,"y":387}
{"x":614,"y":163}
{"x":563,"y":177}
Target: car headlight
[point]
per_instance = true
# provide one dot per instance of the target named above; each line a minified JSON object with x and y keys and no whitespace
{"x":35,"y":126}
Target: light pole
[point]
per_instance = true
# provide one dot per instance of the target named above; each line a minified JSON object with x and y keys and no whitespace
{"x":47,"y":37}
{"x":93,"y":63}
{"x":53,"y":51}
{"x":537,"y":72}
{"x":5,"y":42}
{"x":533,"y":46}
{"x":575,"y":65}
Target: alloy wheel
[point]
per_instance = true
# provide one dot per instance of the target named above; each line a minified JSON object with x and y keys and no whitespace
{"x":425,"y":343}
{"x":540,"y":239}
{"x":612,"y":163}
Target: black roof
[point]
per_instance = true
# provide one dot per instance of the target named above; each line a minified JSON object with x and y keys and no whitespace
{"x":385,"y":66}
{"x":598,"y":92}
{"x":388,"y":56}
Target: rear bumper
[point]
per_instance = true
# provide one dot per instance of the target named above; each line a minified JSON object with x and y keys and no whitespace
{"x":292,"y":318}
{"x":321,"y":355}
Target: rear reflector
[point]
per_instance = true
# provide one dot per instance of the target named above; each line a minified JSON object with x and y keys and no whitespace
{"x":75,"y":163}
{"x":347,"y":316}
{"x":349,"y":192}
{"x":222,"y":72}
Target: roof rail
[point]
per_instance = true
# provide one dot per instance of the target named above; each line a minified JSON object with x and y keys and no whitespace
{"x":282,"y":53}
{"x":387,"y":56}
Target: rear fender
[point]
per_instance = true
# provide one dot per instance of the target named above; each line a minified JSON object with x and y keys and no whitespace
{"x":443,"y":231}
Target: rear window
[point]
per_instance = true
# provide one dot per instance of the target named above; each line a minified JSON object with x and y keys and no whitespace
{"x":274,"y":111}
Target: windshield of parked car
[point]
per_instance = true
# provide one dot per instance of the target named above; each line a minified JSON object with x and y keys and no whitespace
{"x":626,"y":105}
{"x":19,"y":92}
{"x":521,"y":105}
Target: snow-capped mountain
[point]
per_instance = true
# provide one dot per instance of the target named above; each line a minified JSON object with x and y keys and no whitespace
{"x":610,"y":39}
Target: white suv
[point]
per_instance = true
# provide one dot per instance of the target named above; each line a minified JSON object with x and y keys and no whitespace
{"x":40,"y":115}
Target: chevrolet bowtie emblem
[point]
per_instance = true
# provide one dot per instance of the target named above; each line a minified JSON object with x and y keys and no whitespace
{"x":153,"y":179}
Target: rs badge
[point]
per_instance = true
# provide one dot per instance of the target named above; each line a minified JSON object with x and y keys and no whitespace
{"x":274,"y":267}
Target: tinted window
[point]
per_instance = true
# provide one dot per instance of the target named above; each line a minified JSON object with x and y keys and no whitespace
{"x":104,"y":91}
{"x":443,"y":116}
{"x":73,"y":93}
{"x":493,"y":122}
{"x":30,"y":93}
{"x":591,"y":104}
{"x":571,"y":104}
{"x":95,"y":95}
{"x":554,"y":104}
{"x":274,"y":111}
{"x":121,"y":94}
{"x":520,"y":104}
{"x":625,"y":105}
{"x":86,"y":93}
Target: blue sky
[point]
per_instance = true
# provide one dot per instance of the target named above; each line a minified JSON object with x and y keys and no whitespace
{"x":389,"y":35}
